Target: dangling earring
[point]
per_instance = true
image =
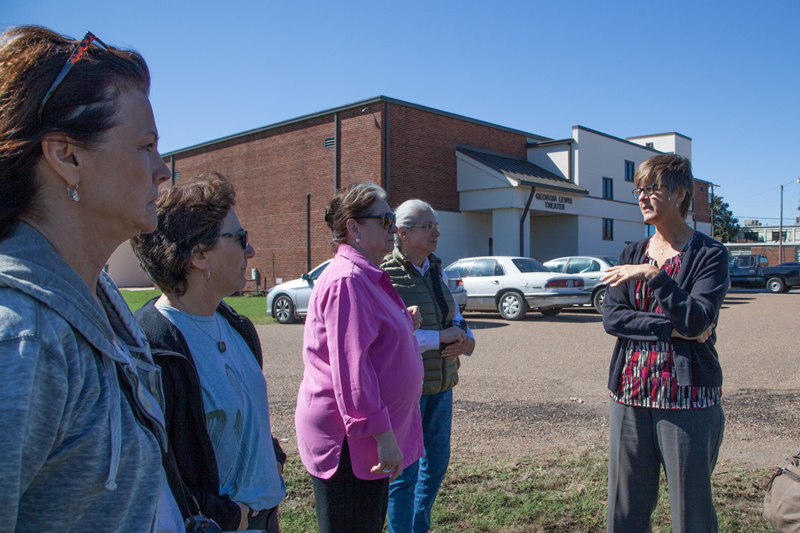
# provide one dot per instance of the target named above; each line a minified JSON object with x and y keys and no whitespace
{"x":72,"y":192}
{"x":358,"y":239}
{"x":205,"y":280}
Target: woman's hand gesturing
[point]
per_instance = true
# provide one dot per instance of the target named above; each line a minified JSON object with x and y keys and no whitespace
{"x":622,"y":273}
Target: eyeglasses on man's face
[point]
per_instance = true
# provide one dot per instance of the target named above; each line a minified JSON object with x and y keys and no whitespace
{"x":387,"y":219}
{"x":647,"y":191}
{"x":429,"y":226}
{"x":240,"y":236}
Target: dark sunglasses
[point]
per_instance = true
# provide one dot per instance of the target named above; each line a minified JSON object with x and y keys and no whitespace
{"x":387,"y":219}
{"x":77,"y":54}
{"x":240,"y":236}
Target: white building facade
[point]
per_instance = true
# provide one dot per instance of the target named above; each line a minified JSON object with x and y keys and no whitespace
{"x":567,"y":197}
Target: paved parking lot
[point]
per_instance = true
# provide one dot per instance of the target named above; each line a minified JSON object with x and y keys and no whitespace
{"x":540,"y":384}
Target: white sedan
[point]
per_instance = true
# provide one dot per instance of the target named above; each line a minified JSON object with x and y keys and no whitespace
{"x":512,"y":285}
{"x":288,"y":301}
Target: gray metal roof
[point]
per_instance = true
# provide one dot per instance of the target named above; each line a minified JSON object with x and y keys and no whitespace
{"x":524,"y":171}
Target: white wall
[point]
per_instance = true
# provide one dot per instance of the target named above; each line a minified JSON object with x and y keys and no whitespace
{"x":505,"y":232}
{"x":463,"y":235}
{"x":598,"y":157}
{"x":553,"y":158}
{"x":124,"y":268}
{"x":553,"y":236}
{"x":670,"y":143}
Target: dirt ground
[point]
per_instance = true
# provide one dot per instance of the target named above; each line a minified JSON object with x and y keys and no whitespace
{"x":539,"y":385}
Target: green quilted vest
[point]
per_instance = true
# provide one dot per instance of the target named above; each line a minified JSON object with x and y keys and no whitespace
{"x":418,"y":290}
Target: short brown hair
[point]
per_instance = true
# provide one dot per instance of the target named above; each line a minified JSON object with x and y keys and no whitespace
{"x":670,"y":171}
{"x":349,"y":202}
{"x":83,"y":107}
{"x":188,"y":216}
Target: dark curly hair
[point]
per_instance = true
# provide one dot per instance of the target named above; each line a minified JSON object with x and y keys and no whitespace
{"x":188,"y":216}
{"x":83,"y":107}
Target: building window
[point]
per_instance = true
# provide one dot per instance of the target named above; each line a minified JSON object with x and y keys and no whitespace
{"x":608,"y":188}
{"x":608,"y":229}
{"x":775,"y":236}
{"x":649,"y":230}
{"x":629,"y":170}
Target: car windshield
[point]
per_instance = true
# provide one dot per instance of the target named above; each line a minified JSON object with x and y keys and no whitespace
{"x":529,"y":265}
{"x":314,"y":274}
{"x":612,"y":261}
{"x":462,"y":267}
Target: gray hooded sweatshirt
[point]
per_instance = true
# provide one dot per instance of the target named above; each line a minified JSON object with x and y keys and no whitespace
{"x":73,"y":457}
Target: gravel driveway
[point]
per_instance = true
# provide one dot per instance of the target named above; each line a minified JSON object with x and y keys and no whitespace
{"x":539,"y":385}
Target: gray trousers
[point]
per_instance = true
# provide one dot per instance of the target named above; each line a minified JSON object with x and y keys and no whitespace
{"x":642,"y":440}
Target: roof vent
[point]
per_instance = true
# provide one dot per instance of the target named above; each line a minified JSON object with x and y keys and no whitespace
{"x":330,"y":142}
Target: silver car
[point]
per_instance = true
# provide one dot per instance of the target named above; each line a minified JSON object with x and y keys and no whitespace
{"x":457,"y":289}
{"x":289,"y":301}
{"x":590,"y":268}
{"x":512,"y":285}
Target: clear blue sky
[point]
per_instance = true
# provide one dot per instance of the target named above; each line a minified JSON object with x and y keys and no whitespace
{"x":726,"y":74}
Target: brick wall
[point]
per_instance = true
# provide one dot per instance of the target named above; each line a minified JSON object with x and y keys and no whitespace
{"x":272,"y":172}
{"x":422,"y":153}
{"x":701,"y":199}
{"x":772,"y":253}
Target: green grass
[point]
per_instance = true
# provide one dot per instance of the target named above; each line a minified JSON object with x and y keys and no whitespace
{"x":555,"y":493}
{"x":252,"y":306}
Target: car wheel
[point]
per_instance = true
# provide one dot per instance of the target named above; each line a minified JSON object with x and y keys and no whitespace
{"x":512,"y":306}
{"x":550,"y":311}
{"x":599,"y":299}
{"x":775,"y":285}
{"x":283,"y":309}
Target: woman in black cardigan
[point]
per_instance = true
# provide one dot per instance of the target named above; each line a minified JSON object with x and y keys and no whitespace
{"x":662,"y":304}
{"x":216,"y":407}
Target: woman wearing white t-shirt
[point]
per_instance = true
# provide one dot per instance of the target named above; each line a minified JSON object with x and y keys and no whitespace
{"x":215,"y":393}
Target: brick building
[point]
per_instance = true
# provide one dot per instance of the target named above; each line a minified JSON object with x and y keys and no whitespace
{"x":498,"y":190}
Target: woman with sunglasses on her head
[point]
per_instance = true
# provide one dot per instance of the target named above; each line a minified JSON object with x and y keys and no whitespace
{"x":215,"y":393}
{"x":443,"y":336}
{"x":357,"y":419}
{"x":83,"y":435}
{"x":662,"y":304}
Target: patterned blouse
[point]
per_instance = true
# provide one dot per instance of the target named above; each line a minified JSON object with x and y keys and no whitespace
{"x":648,"y":377}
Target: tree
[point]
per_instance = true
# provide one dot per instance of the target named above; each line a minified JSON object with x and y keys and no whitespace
{"x":724,"y":224}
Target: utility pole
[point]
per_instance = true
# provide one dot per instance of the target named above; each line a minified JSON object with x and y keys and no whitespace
{"x":780,"y":232}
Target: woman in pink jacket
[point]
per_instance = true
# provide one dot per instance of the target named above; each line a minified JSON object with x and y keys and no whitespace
{"x":357,"y":420}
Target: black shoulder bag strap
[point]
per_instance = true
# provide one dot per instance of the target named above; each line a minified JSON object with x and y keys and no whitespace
{"x":190,"y":510}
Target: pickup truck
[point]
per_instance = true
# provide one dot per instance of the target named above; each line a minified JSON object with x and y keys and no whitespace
{"x":752,"y":271}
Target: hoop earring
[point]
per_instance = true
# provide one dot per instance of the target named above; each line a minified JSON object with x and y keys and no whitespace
{"x":72,"y":192}
{"x":205,"y":280}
